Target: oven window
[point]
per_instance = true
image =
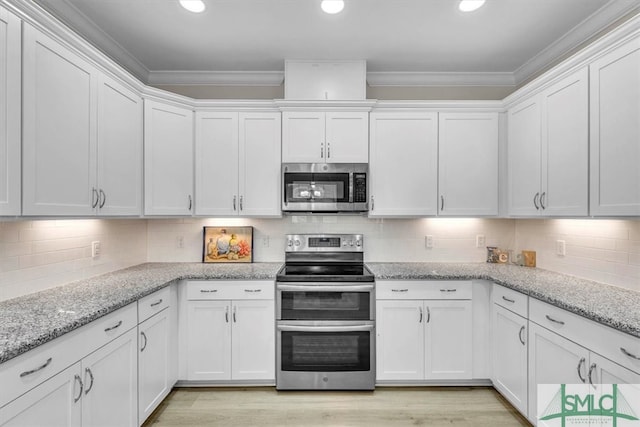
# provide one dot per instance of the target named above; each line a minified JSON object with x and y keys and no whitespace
{"x":325,"y":351}
{"x":300,"y":305}
{"x":324,"y":187}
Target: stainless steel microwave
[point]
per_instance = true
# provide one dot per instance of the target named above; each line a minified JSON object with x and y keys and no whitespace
{"x":324,"y":187}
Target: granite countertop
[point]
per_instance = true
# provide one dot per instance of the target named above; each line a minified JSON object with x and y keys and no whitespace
{"x":32,"y":320}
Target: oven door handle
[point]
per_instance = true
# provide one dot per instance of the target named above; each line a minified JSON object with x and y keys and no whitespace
{"x":351,"y":328}
{"x":330,"y":288}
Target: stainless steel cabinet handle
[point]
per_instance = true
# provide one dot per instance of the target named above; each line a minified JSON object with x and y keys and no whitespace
{"x":241,"y":197}
{"x":542,"y":200}
{"x":322,"y":150}
{"x":39,"y":368}
{"x":420,"y":310}
{"x":190,"y":201}
{"x":253,"y":290}
{"x":88,"y":371}
{"x":234,"y":203}
{"x":580,"y":369}
{"x":448,"y":290}
{"x":208,"y":291}
{"x":234,"y":314}
{"x":328,"y":150}
{"x":520,"y":335}
{"x":153,"y":304}
{"x":428,"y":315}
{"x":441,"y":203}
{"x":508,"y":300}
{"x":551,"y":319}
{"x":399,"y":290}
{"x":111,"y":328}
{"x":626,"y":353}
{"x":143,"y":335}
{"x":591,"y":369}
{"x":226,"y":314}
{"x":535,"y":201}
{"x":103,"y":199}
{"x":372,"y":203}
{"x":77,"y":378}
{"x":95,"y":198}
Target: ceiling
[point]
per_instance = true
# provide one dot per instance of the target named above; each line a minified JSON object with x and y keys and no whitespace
{"x":405,"y":42}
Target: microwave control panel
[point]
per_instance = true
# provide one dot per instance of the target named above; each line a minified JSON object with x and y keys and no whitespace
{"x":360,"y":188}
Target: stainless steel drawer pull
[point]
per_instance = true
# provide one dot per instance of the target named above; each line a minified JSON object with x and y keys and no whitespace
{"x":508,"y":300}
{"x":208,"y":291}
{"x":116,"y":326}
{"x":88,"y":371}
{"x":520,"y":335}
{"x":39,"y":368}
{"x":626,"y":353}
{"x":399,"y":290}
{"x":551,"y":319}
{"x":153,"y":304}
{"x":77,"y":378}
{"x":448,"y":290}
{"x":253,"y":290}
{"x":580,"y":363}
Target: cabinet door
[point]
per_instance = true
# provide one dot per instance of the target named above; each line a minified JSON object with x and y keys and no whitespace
{"x":208,"y":340}
{"x":509,"y":356}
{"x":168,"y":159}
{"x":217,"y":163}
{"x":59,"y":123}
{"x":119,"y":180}
{"x":604,"y":371}
{"x":56,"y":402}
{"x":347,"y":137}
{"x":404,"y":164}
{"x":110,"y":377}
{"x":565,"y":146}
{"x":400,"y":340}
{"x":523,"y":158}
{"x":10,"y":118}
{"x":153,"y":363}
{"x":448,"y":345}
{"x":259,"y":175}
{"x":615,"y":132}
{"x":468,"y":164}
{"x":303,"y":137}
{"x":253,"y":340}
{"x":553,"y":360}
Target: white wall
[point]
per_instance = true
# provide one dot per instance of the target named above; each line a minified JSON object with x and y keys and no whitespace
{"x":36,"y":255}
{"x":606,"y":251}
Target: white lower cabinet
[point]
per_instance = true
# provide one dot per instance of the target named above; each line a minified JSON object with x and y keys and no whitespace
{"x":230,"y":339}
{"x":420,"y":340}
{"x":153,"y":363}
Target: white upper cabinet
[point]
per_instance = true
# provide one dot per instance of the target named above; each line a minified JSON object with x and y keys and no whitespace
{"x":238,"y":163}
{"x":548,"y":150}
{"x":319,"y":137}
{"x":404,"y":164}
{"x":468,"y":164}
{"x":168,"y":159}
{"x":82,"y":136}
{"x":10,"y":107}
{"x":615,"y":132}
{"x":59,"y":139}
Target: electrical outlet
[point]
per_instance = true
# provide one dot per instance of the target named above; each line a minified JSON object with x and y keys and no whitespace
{"x":265,"y":242}
{"x":95,"y":249}
{"x":561,"y":248}
{"x":180,"y":242}
{"x":428,"y":241}
{"x":481,"y":241}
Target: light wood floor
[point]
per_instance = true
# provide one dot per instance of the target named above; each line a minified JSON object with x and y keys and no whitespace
{"x":386,"y":406}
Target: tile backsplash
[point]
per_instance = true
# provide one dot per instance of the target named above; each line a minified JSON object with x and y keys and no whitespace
{"x":36,"y":255}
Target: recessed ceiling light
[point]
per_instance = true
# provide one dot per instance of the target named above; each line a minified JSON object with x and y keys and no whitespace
{"x":332,"y":6}
{"x":470,"y":5}
{"x":195,"y":6}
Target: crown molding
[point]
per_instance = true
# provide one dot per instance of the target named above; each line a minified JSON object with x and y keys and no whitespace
{"x":217,"y":78}
{"x":410,"y":78}
{"x":322,"y":105}
{"x":440,"y":105}
{"x":588,"y":28}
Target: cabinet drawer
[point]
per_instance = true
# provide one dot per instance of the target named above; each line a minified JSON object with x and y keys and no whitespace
{"x":236,"y":289}
{"x":617,"y":346}
{"x":30,"y":369}
{"x":511,"y":300}
{"x":153,"y":303}
{"x":423,"y":289}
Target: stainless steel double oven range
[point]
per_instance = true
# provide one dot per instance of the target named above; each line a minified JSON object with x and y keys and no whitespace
{"x":325,"y":309}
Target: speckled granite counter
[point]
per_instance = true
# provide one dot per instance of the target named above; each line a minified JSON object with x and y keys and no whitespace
{"x":29,"y":321}
{"x":612,"y":306}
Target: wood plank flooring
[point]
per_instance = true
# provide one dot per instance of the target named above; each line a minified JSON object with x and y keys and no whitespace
{"x":386,"y":406}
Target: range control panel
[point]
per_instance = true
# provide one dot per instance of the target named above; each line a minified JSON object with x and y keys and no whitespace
{"x":324,"y":242}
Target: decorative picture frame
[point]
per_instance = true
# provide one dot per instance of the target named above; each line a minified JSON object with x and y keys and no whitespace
{"x":227,"y":244}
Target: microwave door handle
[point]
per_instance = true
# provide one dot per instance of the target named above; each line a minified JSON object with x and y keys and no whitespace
{"x":316,"y":288}
{"x":300,"y":328}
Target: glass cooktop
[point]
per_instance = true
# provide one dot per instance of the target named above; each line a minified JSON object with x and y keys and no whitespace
{"x":325,"y":273}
